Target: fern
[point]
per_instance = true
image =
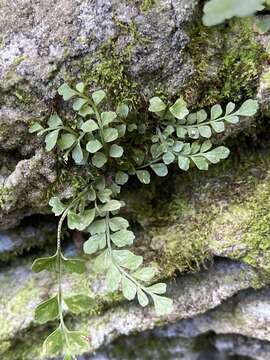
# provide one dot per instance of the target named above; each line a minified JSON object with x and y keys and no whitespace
{"x":112,"y":146}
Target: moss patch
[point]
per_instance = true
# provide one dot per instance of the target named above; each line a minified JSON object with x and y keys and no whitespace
{"x":228,"y":60}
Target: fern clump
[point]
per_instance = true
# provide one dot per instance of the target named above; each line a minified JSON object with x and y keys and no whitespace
{"x":112,"y":146}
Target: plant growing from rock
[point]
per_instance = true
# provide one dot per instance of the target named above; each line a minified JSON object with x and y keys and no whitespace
{"x":112,"y":146}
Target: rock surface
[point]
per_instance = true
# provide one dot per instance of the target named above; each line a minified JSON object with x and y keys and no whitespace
{"x":209,"y":235}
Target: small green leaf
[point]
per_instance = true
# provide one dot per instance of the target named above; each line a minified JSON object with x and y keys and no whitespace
{"x":47,"y":310}
{"x":179,"y":146}
{"x":110,"y":134}
{"x":57,"y":206}
{"x":127,"y":259}
{"x":194,"y":133}
{"x":205,"y":131}
{"x":216,"y":112}
{"x":112,"y":205}
{"x":46,"y":263}
{"x":105,"y":195}
{"x":74,"y":266}
{"x":66,"y":91}
{"x":179,"y":109}
{"x":216,"y":11}
{"x":82,"y":220}
{"x":163,"y":305}
{"x":218,"y":126}
{"x":98,"y":96}
{"x":215,"y":155}
{"x":201,"y":116}
{"x":181,"y":132}
{"x":116,"y":151}
{"x":195,"y":147}
{"x":206,"y":145}
{"x":66,"y":141}
{"x":77,"y":340}
{"x":232,"y":119}
{"x":102,"y":262}
{"x":86,"y":110}
{"x":156,"y":105}
{"x":200,"y":162}
{"x":143,"y":176}
{"x":159,"y":288}
{"x":113,"y":278}
{"x":129,"y":288}
{"x":89,"y":126}
{"x":168,"y":157}
{"x":248,"y":108}
{"x":35,"y":128}
{"x":93,"y":146}
{"x":107,"y":117}
{"x":79,"y":103}
{"x":118,"y":223}
{"x":138,"y":156}
{"x":79,"y":303}
{"x":230,"y":108}
{"x":54,"y":343}
{"x":54,"y":121}
{"x":122,"y":111}
{"x":142,"y":298}
{"x":183,"y":162}
{"x":97,"y":227}
{"x":51,"y":139}
{"x":121,"y":129}
{"x":160,"y":169}
{"x":122,"y":238}
{"x":80,"y":87}
{"x":121,"y":177}
{"x":99,"y":159}
{"x":144,"y":274}
{"x":77,"y":154}
{"x":91,"y":246}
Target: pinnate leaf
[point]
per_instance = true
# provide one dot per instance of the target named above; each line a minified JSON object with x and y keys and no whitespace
{"x":160,"y":169}
{"x":113,"y":278}
{"x":129,"y":288}
{"x":127,"y":259}
{"x":66,"y":91}
{"x":143,"y":176}
{"x":47,"y":310}
{"x":144,"y":274}
{"x":156,"y":105}
{"x":179,"y":109}
{"x":98,"y":96}
{"x":46,"y":263}
{"x":51,"y":139}
{"x":57,"y":206}
{"x":122,"y":238}
{"x":79,"y":303}
{"x":54,"y":343}
{"x":142,"y":297}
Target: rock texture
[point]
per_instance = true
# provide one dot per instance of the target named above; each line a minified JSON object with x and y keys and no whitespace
{"x":43,"y":44}
{"x":208,"y":235}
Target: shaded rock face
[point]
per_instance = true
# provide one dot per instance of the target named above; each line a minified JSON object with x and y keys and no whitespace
{"x":38,"y":38}
{"x":133,"y":49}
{"x":44,"y":43}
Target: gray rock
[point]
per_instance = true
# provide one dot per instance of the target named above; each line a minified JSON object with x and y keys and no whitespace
{"x":32,"y":233}
{"x":193,"y":295}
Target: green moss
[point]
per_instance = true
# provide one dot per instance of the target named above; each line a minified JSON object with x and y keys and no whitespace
{"x":228,"y":60}
{"x":109,"y":67}
{"x":5,"y":194}
{"x":146,"y":5}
